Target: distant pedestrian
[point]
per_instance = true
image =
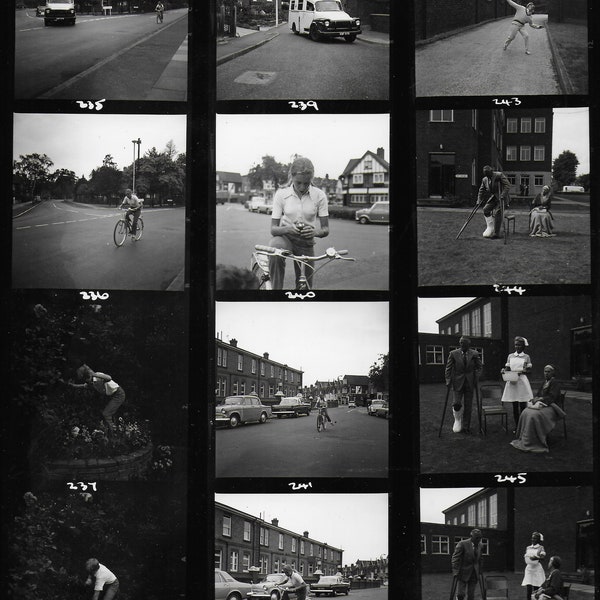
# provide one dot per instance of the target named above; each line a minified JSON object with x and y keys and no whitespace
{"x":523,"y":16}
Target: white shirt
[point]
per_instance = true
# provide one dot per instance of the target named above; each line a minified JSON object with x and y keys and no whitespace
{"x":288,"y":207}
{"x":133,"y":202}
{"x":103,"y":576}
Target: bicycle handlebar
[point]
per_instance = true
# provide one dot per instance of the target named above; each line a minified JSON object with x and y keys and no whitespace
{"x":330,"y":253}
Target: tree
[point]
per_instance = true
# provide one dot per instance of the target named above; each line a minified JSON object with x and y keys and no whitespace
{"x":106,"y":180}
{"x":63,"y":183}
{"x":564,"y":168}
{"x":583,"y":180}
{"x":268,"y":170}
{"x":379,"y":372}
{"x":34,"y":169}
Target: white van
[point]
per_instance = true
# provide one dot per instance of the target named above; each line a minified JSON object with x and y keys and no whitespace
{"x":322,"y":18}
{"x":573,"y":188}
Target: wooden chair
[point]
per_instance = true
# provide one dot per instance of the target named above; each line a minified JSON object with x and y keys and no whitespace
{"x":494,"y":408}
{"x":510,"y":218}
{"x":496,"y":587}
{"x":561,"y":404}
{"x":565,"y":591}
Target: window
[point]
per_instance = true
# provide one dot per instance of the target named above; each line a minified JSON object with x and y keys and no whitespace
{"x":224,"y":358}
{"x":368,"y":164}
{"x":434,"y":355}
{"x":482,"y":513}
{"x":357,"y":178}
{"x":233,"y":561}
{"x":423,"y":544}
{"x":463,"y":519}
{"x":441,"y":116}
{"x":471,"y":515}
{"x":494,"y":510}
{"x":511,"y":153}
{"x":476,"y":322}
{"x":512,"y":178}
{"x":245,"y":562}
{"x":262,"y":390}
{"x":264,"y":536}
{"x":525,"y":153}
{"x":538,"y":180}
{"x":253,"y":388}
{"x":247,"y":531}
{"x":540,"y":125}
{"x":262,"y":369}
{"x":264,"y":564}
{"x":272,"y":371}
{"x":221,"y":386}
{"x":526,"y":125}
{"x":271,"y":391}
{"x":485,"y":546}
{"x":293,"y":544}
{"x":240,"y":362}
{"x":301,"y":546}
{"x":291,"y":376}
{"x":440,"y":544}
{"x":310,"y":568}
{"x":253,"y":366}
{"x":357,"y":199}
{"x":456,"y":328}
{"x":227,"y":526}
{"x":487,"y":320}
{"x":539,"y":153}
{"x":218,"y":559}
{"x":235,"y":387}
{"x":219,"y":357}
{"x":511,"y":125}
{"x":294,"y":564}
{"x":378,"y":177}
{"x":243,"y":387}
{"x":276,"y":565}
{"x":465,"y":323}
{"x":285,"y":375}
{"x":455,"y":521}
{"x":312,"y":550}
{"x":280,"y":546}
{"x":319,"y":549}
{"x":301,"y":568}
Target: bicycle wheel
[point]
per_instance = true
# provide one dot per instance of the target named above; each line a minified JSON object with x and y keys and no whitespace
{"x":320,"y":423}
{"x":140,"y":229}
{"x":120,"y":232}
{"x":262,"y":277}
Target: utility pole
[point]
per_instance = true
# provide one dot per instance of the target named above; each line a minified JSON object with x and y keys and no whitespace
{"x":137,"y":142}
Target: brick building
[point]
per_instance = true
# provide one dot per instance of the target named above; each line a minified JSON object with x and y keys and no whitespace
{"x":365,"y":180}
{"x":528,"y":149}
{"x":452,"y":148}
{"x":243,"y":541}
{"x":229,"y":186}
{"x":240,"y":371}
{"x":558,"y":328}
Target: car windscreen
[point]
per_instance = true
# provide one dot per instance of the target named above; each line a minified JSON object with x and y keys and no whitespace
{"x":328,"y":580}
{"x":233,"y":400}
{"x":327,"y":5}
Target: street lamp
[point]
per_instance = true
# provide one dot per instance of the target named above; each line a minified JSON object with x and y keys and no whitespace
{"x":137,"y":142}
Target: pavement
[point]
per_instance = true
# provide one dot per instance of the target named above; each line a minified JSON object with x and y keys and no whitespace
{"x":248,"y":39}
{"x":472,"y":62}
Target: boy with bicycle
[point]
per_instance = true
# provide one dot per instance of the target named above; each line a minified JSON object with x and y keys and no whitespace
{"x":134,"y":208}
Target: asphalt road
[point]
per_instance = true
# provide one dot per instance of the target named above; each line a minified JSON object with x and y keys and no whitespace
{"x":380,"y":593}
{"x":118,"y":57}
{"x":356,"y":446}
{"x":473,"y":63}
{"x":66,"y":245}
{"x":294,"y":67}
{"x":239,"y":230}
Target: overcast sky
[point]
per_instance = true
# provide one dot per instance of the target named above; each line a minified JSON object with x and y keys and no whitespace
{"x":571,"y":132}
{"x":335,"y":519}
{"x":324,"y":339}
{"x":431,"y":309}
{"x":329,"y":140}
{"x":79,"y":142}
{"x":434,"y":500}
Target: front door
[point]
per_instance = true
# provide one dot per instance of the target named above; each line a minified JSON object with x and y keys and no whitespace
{"x":441,"y":174}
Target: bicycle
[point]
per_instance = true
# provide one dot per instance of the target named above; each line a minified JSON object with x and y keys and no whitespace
{"x":123,"y":229}
{"x":159,"y":16}
{"x":322,"y":420}
{"x":260,"y":264}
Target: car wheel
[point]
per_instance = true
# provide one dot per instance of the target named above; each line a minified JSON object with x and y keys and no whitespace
{"x":234,"y":421}
{"x":350,"y":38}
{"x":234,"y":596}
{"x":314,"y":34}
{"x":363,"y":220}
{"x":263,"y":417}
{"x":274,"y":595}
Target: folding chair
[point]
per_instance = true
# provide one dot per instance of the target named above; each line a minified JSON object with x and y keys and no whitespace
{"x":496,"y":587}
{"x":494,"y":408}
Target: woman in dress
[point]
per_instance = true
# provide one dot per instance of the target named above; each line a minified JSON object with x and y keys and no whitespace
{"x":534,"y":572}
{"x":540,"y":416}
{"x":518,"y":392}
{"x":553,"y":586}
{"x":540,"y":217}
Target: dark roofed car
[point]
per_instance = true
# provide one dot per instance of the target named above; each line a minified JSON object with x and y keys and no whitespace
{"x":228,"y":588}
{"x":378,"y":212}
{"x":331,"y":585}
{"x":267,"y":588}
{"x":292,"y":406}
{"x":241,"y":409}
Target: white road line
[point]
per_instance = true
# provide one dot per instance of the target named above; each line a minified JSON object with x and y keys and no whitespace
{"x":58,"y":223}
{"x":25,"y":227}
{"x":42,"y":225}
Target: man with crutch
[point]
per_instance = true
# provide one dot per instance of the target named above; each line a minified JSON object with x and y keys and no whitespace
{"x":494,"y":187}
{"x":466,"y":568}
{"x":462,"y":372}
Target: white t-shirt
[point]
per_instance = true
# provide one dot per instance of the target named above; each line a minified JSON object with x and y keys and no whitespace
{"x":289,"y":208}
{"x":102,"y":577}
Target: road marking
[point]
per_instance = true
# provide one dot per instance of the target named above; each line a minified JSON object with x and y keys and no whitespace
{"x":42,"y":225}
{"x":25,"y":227}
{"x":79,"y":20}
{"x":58,"y":223}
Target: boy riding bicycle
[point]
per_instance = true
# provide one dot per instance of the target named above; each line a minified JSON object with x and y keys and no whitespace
{"x":134,"y":208}
{"x":322,"y":406}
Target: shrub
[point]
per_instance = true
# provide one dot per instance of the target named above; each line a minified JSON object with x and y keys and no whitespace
{"x":342,"y":212}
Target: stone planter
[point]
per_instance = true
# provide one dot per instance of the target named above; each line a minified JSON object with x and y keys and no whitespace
{"x":115,"y":468}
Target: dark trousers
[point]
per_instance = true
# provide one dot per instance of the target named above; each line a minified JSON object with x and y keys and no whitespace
{"x":135,"y":215}
{"x":469,"y":586}
{"x":277,"y":264}
{"x":464,"y":396}
{"x":517,"y":410}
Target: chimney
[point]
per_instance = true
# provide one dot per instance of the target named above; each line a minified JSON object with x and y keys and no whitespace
{"x":275,"y":522}
{"x":305,"y":534}
{"x":266,"y":355}
{"x":233,"y":342}
{"x":381,"y":153}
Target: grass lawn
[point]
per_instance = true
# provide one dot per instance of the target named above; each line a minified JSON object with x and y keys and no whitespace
{"x":438,"y":585}
{"x":571,"y":41}
{"x":475,"y":260}
{"x":459,"y":453}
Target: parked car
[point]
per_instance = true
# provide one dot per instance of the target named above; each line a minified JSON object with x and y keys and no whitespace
{"x":267,"y":587}
{"x":255,"y":202}
{"x":228,"y":588}
{"x":372,"y":408}
{"x":36,"y":199}
{"x":351,"y":403}
{"x":322,"y":19}
{"x":291,"y":407}
{"x":383,"y":410}
{"x":330,"y":585}
{"x":378,"y":212}
{"x":265,"y":208}
{"x":241,"y":409}
{"x":579,"y":189}
{"x":59,"y":11}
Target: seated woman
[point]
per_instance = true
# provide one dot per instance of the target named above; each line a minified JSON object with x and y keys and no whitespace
{"x":540,"y":217}
{"x":552,"y":588}
{"x":540,"y":416}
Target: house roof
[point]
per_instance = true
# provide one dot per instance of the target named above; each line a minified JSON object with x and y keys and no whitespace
{"x":353,"y":162}
{"x":460,"y":309}
{"x":356,"y":379}
{"x":229,"y":176}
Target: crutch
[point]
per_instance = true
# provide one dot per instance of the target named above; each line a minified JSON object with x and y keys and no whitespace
{"x":453,"y":589}
{"x":444,"y":413}
{"x":477,"y":205}
{"x":482,"y":587}
{"x":479,"y":408}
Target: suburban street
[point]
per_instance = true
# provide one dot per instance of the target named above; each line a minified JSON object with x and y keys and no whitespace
{"x":293,"y":66}
{"x":119,"y":57}
{"x":239,"y":230}
{"x":356,"y":446}
{"x":63,"y":244}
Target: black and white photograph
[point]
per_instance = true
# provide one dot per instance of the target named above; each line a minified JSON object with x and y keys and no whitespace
{"x":501,"y":48}
{"x":277,"y":546}
{"x":298,"y":192}
{"x":524,"y":542}
{"x":314,"y":49}
{"x":99,"y":201}
{"x":503,"y":195}
{"x":98,"y":387}
{"x":505,"y":384}
{"x":89,"y":541}
{"x":101,"y":49}
{"x":302,"y":389}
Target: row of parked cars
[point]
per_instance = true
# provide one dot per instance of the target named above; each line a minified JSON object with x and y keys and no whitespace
{"x":268,"y":588}
{"x":248,"y":409}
